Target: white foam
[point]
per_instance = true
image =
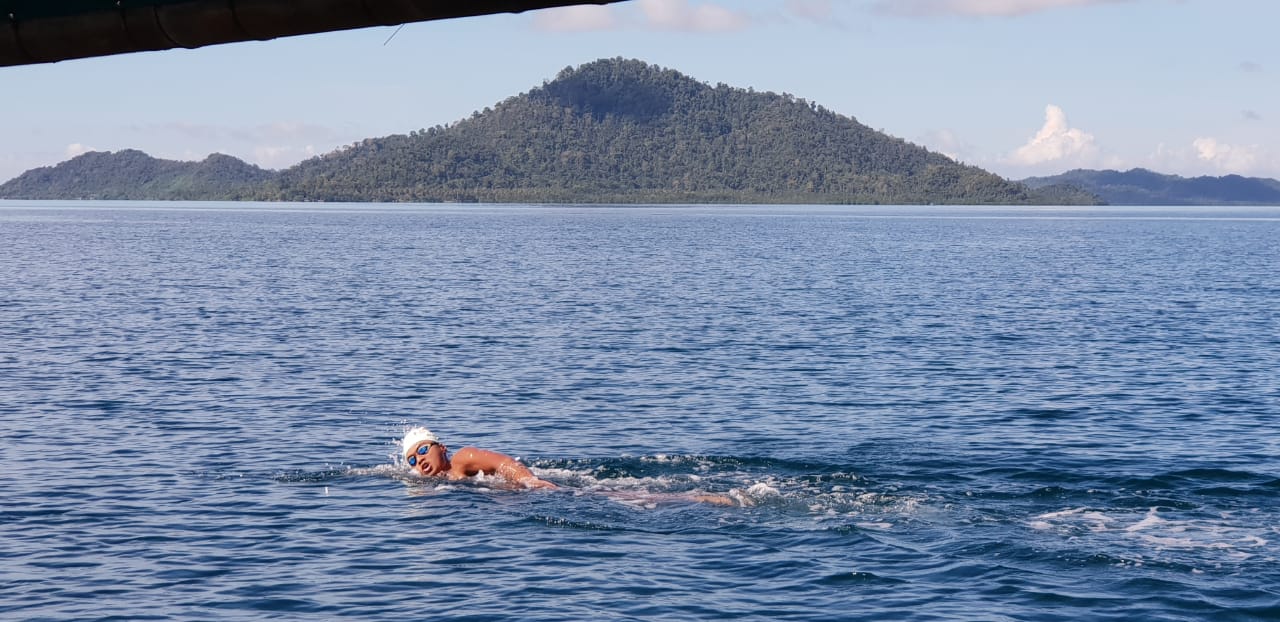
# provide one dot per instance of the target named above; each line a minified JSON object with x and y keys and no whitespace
{"x":644,"y":493}
{"x":583,"y":479}
{"x":700,"y":462}
{"x":1151,"y":520}
{"x":874,"y":525}
{"x":1155,"y":533}
{"x":388,"y":470}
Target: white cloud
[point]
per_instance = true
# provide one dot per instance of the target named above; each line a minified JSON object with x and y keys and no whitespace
{"x":948,"y":143}
{"x":1228,"y":158}
{"x":1057,"y":142}
{"x":75,"y":149}
{"x":579,"y":18}
{"x":1211,"y":156}
{"x":979,"y":8}
{"x":282,"y":156}
{"x":680,"y":15}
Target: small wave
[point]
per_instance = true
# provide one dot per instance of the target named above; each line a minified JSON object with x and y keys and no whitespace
{"x":1218,"y":475}
{"x":1159,"y":532}
{"x":1074,"y":519}
{"x":858,"y":578}
{"x":326,"y":475}
{"x":1202,"y":479}
{"x":559,"y":521}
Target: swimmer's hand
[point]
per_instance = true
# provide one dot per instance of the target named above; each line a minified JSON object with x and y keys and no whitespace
{"x":533,"y":482}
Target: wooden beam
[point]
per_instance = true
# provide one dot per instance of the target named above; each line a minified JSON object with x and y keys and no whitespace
{"x":47,"y":31}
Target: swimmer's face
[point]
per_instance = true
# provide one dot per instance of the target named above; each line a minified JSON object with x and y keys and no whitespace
{"x":428,"y":458}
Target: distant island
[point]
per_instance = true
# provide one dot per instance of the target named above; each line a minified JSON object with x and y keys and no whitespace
{"x":609,"y":131}
{"x":1143,"y":187}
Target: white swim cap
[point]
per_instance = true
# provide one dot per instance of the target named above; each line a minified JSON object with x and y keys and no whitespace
{"x":415,"y":436}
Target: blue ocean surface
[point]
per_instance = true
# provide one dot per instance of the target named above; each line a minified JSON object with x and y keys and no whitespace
{"x":918,"y":413}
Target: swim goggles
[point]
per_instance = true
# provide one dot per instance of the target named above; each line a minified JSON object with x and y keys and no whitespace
{"x":422,"y":451}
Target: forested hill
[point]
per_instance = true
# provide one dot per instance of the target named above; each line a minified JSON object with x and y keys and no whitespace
{"x":132,"y":174}
{"x":625,"y":131}
{"x":610,"y":131}
{"x":1143,"y":187}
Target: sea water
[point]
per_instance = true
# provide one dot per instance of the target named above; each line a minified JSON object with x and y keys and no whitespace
{"x":948,"y":413}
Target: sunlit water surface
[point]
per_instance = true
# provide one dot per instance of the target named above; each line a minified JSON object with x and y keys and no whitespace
{"x":920,"y":413}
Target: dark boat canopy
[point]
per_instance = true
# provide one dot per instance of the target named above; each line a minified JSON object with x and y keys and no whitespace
{"x":46,"y":31}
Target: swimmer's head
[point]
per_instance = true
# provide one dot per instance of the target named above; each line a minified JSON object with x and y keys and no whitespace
{"x":414,"y":437}
{"x":424,"y":453}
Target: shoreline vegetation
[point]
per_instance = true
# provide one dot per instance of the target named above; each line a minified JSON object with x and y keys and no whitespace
{"x":612,"y":131}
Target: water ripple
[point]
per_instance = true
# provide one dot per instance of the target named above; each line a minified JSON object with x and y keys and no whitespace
{"x":913,"y":413}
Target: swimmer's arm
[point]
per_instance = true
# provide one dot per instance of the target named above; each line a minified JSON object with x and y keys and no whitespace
{"x":470,"y":461}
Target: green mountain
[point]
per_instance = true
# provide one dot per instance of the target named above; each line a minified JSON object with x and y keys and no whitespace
{"x":610,"y":131}
{"x":132,"y":174}
{"x":1143,"y":187}
{"x":625,"y":131}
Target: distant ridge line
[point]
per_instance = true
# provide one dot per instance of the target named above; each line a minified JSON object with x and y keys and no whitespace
{"x":1141,"y":186}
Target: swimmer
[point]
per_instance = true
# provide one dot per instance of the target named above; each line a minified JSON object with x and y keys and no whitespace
{"x":427,"y":456}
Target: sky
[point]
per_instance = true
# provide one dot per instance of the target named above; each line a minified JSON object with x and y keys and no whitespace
{"x":1018,"y":87}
